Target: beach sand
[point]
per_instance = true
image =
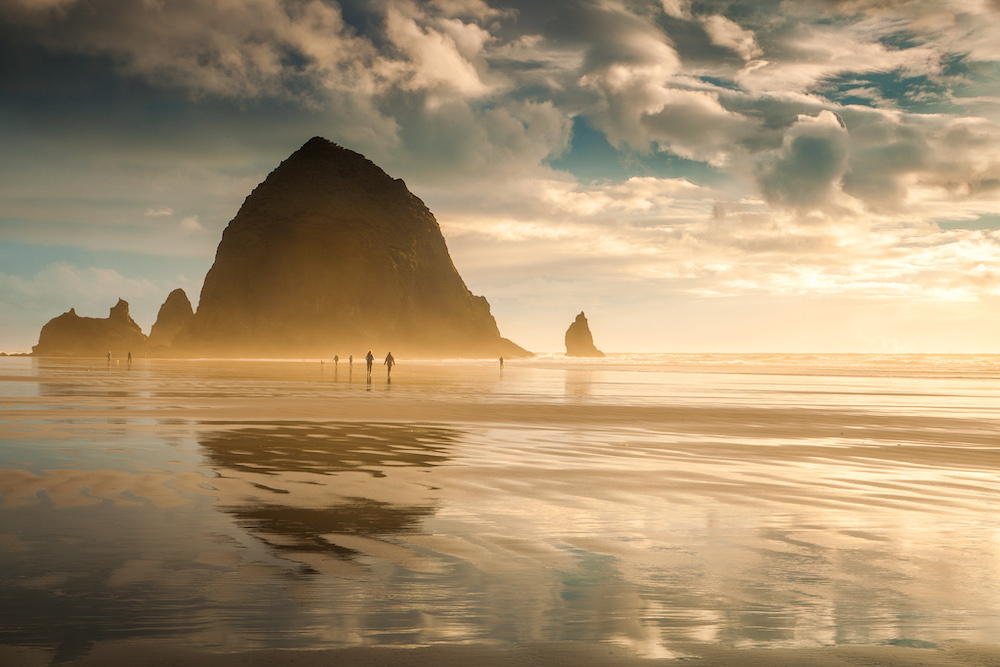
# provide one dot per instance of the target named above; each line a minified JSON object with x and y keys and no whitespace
{"x":571,"y":655}
{"x":785,"y":512}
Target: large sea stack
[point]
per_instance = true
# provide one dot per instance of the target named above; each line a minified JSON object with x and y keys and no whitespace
{"x":70,"y":335}
{"x":330,"y":255}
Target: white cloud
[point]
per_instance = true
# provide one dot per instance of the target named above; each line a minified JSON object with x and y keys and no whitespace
{"x":693,"y":124}
{"x":802,"y":59}
{"x":190,"y":224}
{"x":680,"y":9}
{"x":727,"y":33}
{"x":437,"y":59}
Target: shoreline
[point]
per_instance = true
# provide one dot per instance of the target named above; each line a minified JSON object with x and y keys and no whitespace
{"x":150,"y":654}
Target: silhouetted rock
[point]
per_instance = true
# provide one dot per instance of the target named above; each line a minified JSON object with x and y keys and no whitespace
{"x":579,"y":341}
{"x":174,"y":315}
{"x":329,"y":255}
{"x":70,"y":335}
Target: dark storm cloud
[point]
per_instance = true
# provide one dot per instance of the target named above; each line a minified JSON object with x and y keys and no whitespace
{"x":807,"y":171}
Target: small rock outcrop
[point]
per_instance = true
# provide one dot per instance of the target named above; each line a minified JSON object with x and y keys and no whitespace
{"x":579,"y":340}
{"x":330,"y":255}
{"x":175,"y":313}
{"x":70,"y":335}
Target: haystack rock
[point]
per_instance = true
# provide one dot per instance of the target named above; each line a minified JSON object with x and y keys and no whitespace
{"x":70,"y":335}
{"x":579,"y":340}
{"x":330,"y":255}
{"x":175,"y":313}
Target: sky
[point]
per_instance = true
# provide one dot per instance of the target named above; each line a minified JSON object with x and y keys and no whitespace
{"x":696,"y":176}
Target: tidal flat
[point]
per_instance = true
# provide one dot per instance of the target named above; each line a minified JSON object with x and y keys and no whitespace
{"x":638,"y":509}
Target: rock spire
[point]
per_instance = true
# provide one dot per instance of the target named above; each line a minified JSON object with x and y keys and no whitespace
{"x":175,"y":313}
{"x":579,"y":341}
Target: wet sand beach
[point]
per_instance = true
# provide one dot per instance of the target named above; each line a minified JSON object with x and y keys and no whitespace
{"x":762,"y":509}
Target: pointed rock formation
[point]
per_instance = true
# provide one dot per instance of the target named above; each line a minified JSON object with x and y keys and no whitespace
{"x":579,"y":341}
{"x":329,"y":255}
{"x":70,"y":335}
{"x":175,"y":313}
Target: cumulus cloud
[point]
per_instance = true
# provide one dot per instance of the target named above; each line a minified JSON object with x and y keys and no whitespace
{"x":807,"y":171}
{"x":438,"y":57}
{"x":727,"y":33}
{"x":247,"y":49}
{"x":693,"y":124}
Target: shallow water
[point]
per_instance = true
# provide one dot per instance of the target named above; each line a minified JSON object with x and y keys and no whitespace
{"x":646,"y":501}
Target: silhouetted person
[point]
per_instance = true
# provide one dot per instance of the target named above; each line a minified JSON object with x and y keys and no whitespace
{"x":389,"y":361}
{"x":501,"y":363}
{"x":350,"y":362}
{"x":336,"y":360}
{"x":109,"y":357}
{"x":369,"y":358}
{"x":130,"y":358}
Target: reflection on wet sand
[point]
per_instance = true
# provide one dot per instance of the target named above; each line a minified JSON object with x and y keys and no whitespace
{"x":242,"y":508}
{"x":327,"y":448}
{"x":296,"y":529}
{"x":323,"y":449}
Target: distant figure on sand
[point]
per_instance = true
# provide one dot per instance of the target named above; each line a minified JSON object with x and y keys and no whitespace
{"x":109,"y":357}
{"x":389,"y":361}
{"x":336,"y":360}
{"x":350,"y":362}
{"x":501,"y":363}
{"x":130,"y":357}
{"x":369,"y":358}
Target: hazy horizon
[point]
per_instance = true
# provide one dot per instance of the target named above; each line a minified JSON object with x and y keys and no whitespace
{"x":696,"y":176}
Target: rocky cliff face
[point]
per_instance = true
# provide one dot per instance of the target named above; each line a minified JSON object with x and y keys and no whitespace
{"x":70,"y":335}
{"x":330,"y":255}
{"x":175,"y":313}
{"x":579,"y":341}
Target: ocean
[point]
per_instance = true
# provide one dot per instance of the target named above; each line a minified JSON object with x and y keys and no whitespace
{"x":649,"y":502}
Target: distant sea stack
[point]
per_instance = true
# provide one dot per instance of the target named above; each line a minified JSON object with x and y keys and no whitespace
{"x":175,"y":314}
{"x":70,"y":335}
{"x":579,"y":341}
{"x":330,"y":255}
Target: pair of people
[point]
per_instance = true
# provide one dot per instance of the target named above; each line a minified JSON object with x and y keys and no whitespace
{"x":389,"y":362}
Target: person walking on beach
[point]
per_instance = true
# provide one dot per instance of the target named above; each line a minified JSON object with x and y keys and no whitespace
{"x":389,"y":361}
{"x":130,"y":358}
{"x":336,"y":360}
{"x":109,"y":357}
{"x":501,"y":363}
{"x":369,"y":358}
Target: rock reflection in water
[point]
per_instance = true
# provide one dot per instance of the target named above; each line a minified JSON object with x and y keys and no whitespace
{"x":303,"y":530}
{"x":328,"y":448}
{"x":285,"y":517}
